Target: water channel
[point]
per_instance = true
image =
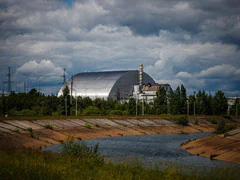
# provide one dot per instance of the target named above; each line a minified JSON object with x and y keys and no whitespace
{"x":153,"y":149}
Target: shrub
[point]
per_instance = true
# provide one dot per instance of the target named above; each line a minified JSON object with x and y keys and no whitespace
{"x":14,"y":112}
{"x":82,"y":152}
{"x":183,"y":120}
{"x":31,"y":132}
{"x":28,"y":112}
{"x":213,"y":121}
{"x":48,"y":126}
{"x":87,"y":125}
{"x":91,"y":110}
{"x":223,"y":127}
{"x":117,"y":113}
{"x":97,"y":125}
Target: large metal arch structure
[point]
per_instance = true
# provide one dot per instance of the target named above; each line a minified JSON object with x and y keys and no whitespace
{"x":106,"y":84}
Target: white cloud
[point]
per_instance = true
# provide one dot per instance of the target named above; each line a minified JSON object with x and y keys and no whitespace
{"x":45,"y":70}
{"x":183,"y":75}
{"x":218,"y":71}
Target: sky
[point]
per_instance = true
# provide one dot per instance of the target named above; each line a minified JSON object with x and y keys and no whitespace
{"x":194,"y":43}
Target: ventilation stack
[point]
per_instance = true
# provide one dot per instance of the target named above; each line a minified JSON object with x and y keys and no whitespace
{"x":140,"y":74}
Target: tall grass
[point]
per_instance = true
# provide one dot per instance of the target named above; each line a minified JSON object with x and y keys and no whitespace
{"x":28,"y":164}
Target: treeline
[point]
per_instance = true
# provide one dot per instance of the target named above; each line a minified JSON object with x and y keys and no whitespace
{"x":174,"y":102}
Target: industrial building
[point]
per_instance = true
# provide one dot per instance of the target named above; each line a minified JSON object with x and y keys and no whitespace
{"x":107,"y":84}
{"x":148,"y":92}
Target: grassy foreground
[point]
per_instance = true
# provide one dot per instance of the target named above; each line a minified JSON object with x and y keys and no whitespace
{"x":28,"y":164}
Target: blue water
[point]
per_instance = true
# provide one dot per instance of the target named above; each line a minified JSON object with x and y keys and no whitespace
{"x":152,"y":149}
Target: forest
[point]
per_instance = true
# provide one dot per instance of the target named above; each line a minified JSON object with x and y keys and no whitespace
{"x":35,"y":103}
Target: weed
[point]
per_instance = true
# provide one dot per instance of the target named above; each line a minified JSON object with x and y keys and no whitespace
{"x":96,"y":124}
{"x":182,"y":120}
{"x":87,"y":125}
{"x":213,"y":121}
{"x":31,"y":132}
{"x":48,"y":126}
{"x":223,"y":127}
{"x":81,"y":151}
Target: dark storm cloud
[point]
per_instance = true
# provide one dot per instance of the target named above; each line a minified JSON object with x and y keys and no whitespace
{"x":191,"y":42}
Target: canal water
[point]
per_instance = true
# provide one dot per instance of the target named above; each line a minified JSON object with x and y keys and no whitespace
{"x":152,"y":149}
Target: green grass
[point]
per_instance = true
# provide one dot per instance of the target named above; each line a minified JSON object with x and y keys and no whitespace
{"x":28,"y":164}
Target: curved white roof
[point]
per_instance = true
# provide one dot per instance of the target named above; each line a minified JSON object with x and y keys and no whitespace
{"x":105,"y":84}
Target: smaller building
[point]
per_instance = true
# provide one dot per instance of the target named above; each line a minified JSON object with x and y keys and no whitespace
{"x":231,"y":102}
{"x":148,"y":92}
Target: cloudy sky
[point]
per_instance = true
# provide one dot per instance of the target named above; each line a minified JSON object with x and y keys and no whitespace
{"x":195,"y":43}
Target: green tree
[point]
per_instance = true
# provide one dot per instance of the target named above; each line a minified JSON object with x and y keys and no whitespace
{"x":65,"y":102}
{"x":219,"y":103}
{"x":160,"y":102}
{"x":132,"y":107}
{"x":183,"y":100}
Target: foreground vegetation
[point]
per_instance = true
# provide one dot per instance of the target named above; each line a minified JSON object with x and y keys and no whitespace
{"x":72,"y":164}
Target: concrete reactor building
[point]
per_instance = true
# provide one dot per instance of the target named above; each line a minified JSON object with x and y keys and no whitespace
{"x":119,"y":85}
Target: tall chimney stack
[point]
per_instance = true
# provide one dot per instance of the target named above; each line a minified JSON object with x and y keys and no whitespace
{"x":140,"y":74}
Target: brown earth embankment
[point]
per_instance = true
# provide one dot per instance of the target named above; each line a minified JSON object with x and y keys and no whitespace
{"x":38,"y":134}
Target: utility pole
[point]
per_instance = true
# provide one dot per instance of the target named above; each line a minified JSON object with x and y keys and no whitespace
{"x":25,"y":86}
{"x":3,"y":88}
{"x":194,"y":104}
{"x":237,"y":106}
{"x":71,"y":90}
{"x":142,"y":106}
{"x":9,"y":79}
{"x":188,"y":107}
{"x":76,"y":101}
{"x":66,"y":105}
{"x":136,"y":106}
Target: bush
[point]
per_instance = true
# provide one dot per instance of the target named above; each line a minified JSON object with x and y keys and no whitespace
{"x":223,"y":127}
{"x":91,"y":110}
{"x":82,"y":152}
{"x":28,"y":112}
{"x":183,"y":120}
{"x":117,"y":113}
{"x":213,"y":121}
{"x":87,"y":125}
{"x":14,"y":112}
{"x":48,"y":126}
{"x":31,"y":132}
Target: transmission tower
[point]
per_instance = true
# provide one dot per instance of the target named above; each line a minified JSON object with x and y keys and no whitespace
{"x":64,"y":75}
{"x":9,"y":80}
